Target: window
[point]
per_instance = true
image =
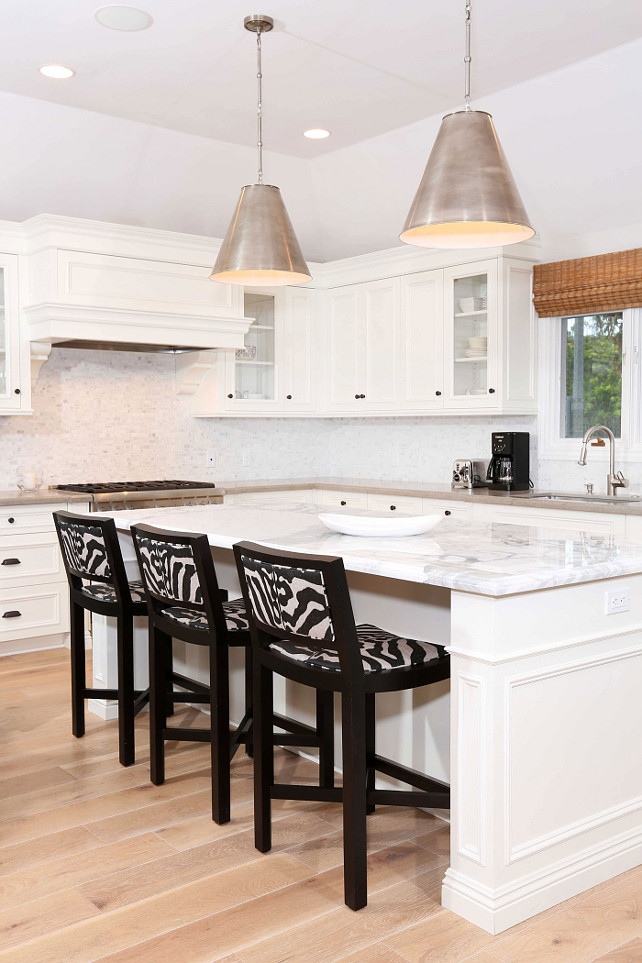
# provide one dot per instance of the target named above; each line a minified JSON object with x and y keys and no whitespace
{"x":591,"y":376}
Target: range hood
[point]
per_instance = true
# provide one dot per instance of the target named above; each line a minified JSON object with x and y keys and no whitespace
{"x":114,"y":287}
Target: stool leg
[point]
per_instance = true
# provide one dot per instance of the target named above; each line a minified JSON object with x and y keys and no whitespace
{"x":354,"y":799}
{"x":263,"y":756}
{"x":78,"y":672}
{"x":158,"y":642}
{"x":325,"y":729}
{"x":370,"y":745}
{"x":249,"y":745}
{"x":169,"y":687}
{"x":220,"y":739}
{"x":125,"y":646}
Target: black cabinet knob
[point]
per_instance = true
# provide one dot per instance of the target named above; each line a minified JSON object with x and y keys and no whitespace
{"x":362,"y":396}
{"x":289,"y":397}
{"x":16,"y":391}
{"x":11,"y":615}
{"x":11,"y":561}
{"x":11,"y":521}
{"x":491,"y":391}
{"x":393,"y":508}
{"x":447,"y":512}
{"x":437,"y":393}
{"x":344,"y":503}
{"x":357,"y":397}
{"x":230,"y":396}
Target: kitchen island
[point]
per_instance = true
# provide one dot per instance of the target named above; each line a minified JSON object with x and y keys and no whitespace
{"x":544,"y":721}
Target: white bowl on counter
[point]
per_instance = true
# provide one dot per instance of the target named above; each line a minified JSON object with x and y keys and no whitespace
{"x":369,"y":526}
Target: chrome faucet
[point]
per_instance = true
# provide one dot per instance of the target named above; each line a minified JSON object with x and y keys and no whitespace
{"x":614,"y":480}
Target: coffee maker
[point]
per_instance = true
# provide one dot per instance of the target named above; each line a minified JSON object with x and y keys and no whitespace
{"x":509,"y":467}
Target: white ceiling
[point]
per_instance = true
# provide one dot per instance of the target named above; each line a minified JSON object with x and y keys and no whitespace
{"x":359,"y":69}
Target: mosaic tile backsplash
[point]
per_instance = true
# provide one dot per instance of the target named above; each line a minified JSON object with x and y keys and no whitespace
{"x":115,"y":415}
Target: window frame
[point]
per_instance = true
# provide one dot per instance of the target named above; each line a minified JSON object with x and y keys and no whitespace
{"x":552,"y":445}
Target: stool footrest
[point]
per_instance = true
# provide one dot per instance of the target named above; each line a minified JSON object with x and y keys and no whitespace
{"x":190,"y":684}
{"x":313,"y":793}
{"x":397,"y":797}
{"x":291,"y":725}
{"x":141,"y":700}
{"x":410,"y":776}
{"x":295,"y":739}
{"x":196,"y":697}
{"x":187,"y":735}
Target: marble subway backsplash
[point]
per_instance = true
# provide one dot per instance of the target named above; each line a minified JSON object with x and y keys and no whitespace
{"x":115,"y":415}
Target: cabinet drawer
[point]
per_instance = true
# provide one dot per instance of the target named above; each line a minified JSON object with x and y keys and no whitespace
{"x":291,"y":495}
{"x":396,"y":503}
{"x":32,"y":518}
{"x":40,"y":611}
{"x":26,"y":559}
{"x":345,"y":499}
{"x":448,"y":507}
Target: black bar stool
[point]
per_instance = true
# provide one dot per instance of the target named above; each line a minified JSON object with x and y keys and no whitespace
{"x":98,"y":583}
{"x":303,"y":628}
{"x":185,"y":602}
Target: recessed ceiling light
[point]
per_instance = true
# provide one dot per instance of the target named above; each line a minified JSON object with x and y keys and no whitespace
{"x":316,"y":133}
{"x":56,"y":72}
{"x":117,"y":16}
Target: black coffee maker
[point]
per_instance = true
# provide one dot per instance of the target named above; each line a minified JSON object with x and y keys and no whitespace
{"x":509,"y":468}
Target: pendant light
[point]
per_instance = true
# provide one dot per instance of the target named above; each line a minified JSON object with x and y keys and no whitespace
{"x":260,"y":247}
{"x":467,"y":197}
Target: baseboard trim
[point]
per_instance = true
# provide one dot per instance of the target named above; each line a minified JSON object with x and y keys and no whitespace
{"x":18,"y":646}
{"x":497,"y":911}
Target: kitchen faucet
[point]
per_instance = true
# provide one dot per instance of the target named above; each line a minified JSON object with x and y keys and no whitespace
{"x":613,"y":480}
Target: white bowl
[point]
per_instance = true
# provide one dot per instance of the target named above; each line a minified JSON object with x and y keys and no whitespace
{"x":369,"y":526}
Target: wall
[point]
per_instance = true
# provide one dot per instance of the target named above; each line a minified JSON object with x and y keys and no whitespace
{"x":115,"y":415}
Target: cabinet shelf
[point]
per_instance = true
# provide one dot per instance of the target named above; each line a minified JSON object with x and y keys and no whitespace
{"x":482,"y":359}
{"x":261,"y":327}
{"x":257,"y":364}
{"x":471,"y":314}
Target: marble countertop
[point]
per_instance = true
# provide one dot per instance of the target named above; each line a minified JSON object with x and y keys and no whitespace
{"x":432,"y":490}
{"x":495,"y":560}
{"x":43,"y":497}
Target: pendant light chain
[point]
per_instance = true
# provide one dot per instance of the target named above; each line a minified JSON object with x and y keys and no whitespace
{"x":467,"y":59}
{"x":259,"y":106}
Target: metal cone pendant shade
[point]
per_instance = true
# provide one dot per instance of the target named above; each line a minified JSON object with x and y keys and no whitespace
{"x":260,"y":247}
{"x":467,"y":197}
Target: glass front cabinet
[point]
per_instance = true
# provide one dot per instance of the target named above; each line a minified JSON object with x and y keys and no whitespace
{"x":11,"y":395}
{"x":471,"y":342}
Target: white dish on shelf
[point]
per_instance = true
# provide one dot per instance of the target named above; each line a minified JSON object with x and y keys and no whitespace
{"x":369,"y":526}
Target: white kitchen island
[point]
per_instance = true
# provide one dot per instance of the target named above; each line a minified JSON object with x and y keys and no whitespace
{"x":544,"y":721}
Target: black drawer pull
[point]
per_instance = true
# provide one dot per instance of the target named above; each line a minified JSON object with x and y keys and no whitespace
{"x":343,"y":503}
{"x":230,"y":396}
{"x":11,"y":561}
{"x":12,"y":615}
{"x":289,"y":397}
{"x":16,"y":391}
{"x":438,"y":393}
{"x":11,"y":521}
{"x":393,"y":508}
{"x":491,"y":391}
{"x":357,"y":397}
{"x":447,"y":512}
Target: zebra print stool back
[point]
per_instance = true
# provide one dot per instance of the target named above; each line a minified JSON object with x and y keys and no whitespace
{"x":84,"y":546}
{"x":300,"y":598}
{"x":179,"y":577}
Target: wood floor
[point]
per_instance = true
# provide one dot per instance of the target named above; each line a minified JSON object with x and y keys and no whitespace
{"x":98,"y":864}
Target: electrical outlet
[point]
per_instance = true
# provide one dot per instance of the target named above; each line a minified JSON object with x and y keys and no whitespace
{"x":210,"y":460}
{"x":617,"y":600}
{"x":247,"y":458}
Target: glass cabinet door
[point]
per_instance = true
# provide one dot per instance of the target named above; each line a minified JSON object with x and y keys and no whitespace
{"x":254,"y":365}
{"x":4,"y":372}
{"x":10,"y":394}
{"x":472,"y":349}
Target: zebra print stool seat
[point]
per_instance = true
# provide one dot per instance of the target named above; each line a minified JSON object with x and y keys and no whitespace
{"x":234,"y":612}
{"x":302,"y":627}
{"x":380,"y":651}
{"x":98,"y":583}
{"x":184,"y":602}
{"x":106,"y":593}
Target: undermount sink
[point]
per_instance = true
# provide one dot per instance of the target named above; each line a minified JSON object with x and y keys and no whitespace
{"x":608,"y":499}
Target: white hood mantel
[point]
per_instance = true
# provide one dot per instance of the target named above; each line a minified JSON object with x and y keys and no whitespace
{"x":89,"y":284}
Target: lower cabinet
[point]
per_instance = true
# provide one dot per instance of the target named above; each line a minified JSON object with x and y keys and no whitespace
{"x":339,"y":499}
{"x":593,"y":523}
{"x":34,"y":593}
{"x":404,"y":504}
{"x":448,"y":506}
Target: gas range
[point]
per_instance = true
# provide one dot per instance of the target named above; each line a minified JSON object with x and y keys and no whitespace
{"x":106,"y":496}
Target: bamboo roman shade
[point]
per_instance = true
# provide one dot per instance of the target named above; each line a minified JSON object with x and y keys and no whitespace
{"x":607,"y":282}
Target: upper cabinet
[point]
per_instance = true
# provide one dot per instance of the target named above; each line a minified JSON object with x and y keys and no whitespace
{"x":14,"y":396}
{"x":471,"y":336}
{"x":272,"y":373}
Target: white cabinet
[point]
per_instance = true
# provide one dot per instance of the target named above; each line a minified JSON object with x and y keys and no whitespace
{"x":14,"y":396}
{"x":273,"y":373}
{"x":404,"y":504}
{"x":340,"y":499}
{"x":448,"y":507}
{"x":421,"y":349}
{"x":471,"y":343}
{"x":362,"y":346}
{"x":593,"y":523}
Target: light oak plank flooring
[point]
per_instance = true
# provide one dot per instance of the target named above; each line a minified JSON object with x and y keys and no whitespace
{"x":96,"y":864}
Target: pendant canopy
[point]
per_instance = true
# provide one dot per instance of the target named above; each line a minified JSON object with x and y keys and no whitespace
{"x":467,"y":196}
{"x":260,"y":247}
